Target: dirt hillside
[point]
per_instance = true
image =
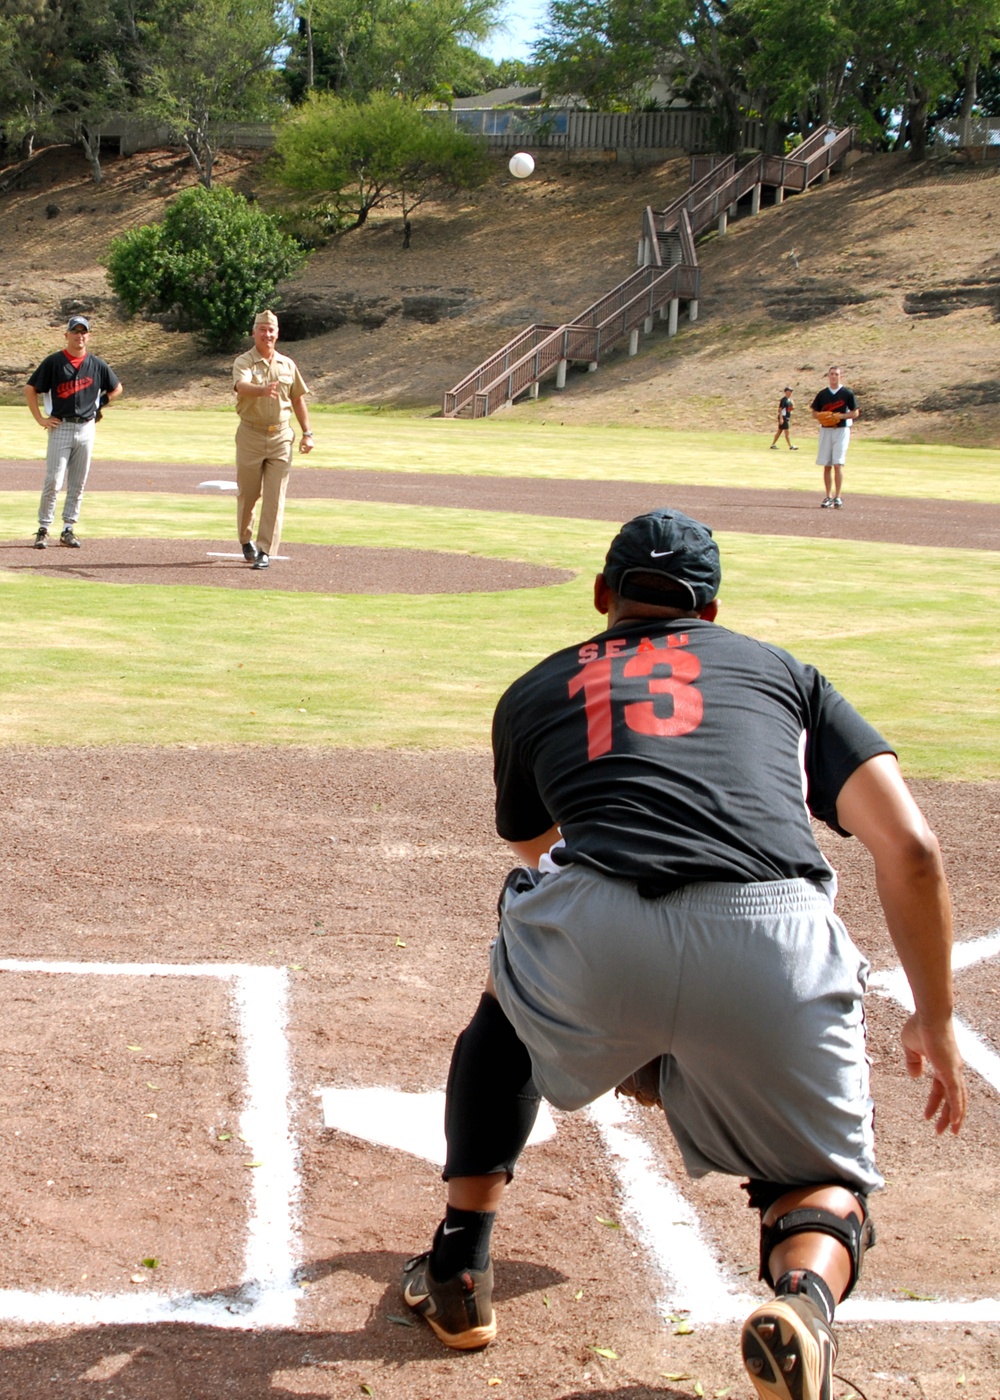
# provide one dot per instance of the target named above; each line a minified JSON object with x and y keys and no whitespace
{"x":892,"y":269}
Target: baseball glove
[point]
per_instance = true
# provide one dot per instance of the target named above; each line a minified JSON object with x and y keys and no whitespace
{"x":829,"y":420}
{"x":643,"y":1086}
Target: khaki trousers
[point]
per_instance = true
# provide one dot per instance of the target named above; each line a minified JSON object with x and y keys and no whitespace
{"x":263,"y":461}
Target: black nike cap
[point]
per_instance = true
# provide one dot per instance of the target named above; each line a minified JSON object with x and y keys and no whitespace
{"x":673,"y":547}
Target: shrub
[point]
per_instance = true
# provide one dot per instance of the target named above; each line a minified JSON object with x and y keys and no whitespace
{"x":215,"y":259}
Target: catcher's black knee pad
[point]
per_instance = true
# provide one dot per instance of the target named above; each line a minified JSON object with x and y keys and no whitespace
{"x":855,"y":1235}
{"x":491,"y":1101}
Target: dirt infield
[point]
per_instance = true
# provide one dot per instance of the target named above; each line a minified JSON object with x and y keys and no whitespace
{"x":371,"y":877}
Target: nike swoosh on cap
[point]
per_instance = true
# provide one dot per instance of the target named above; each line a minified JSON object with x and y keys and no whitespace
{"x":660,"y":553}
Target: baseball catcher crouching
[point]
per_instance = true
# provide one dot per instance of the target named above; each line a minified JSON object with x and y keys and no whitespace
{"x":651,"y":779}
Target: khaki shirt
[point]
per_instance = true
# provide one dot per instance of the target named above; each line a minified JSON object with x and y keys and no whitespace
{"x":252,"y":368}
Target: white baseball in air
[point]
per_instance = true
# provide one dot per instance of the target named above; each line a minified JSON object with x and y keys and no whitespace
{"x":521,"y":165}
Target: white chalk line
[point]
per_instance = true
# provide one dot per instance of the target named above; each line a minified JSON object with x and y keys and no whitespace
{"x":267,"y":1294}
{"x":663,"y":1220}
{"x":217,"y":554}
{"x":666,"y":1224}
{"x":698,"y":1284}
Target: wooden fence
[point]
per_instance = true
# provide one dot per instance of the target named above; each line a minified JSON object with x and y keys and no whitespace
{"x":677,"y":129}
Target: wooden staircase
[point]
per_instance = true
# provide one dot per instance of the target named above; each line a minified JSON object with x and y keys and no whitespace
{"x":668,"y":274}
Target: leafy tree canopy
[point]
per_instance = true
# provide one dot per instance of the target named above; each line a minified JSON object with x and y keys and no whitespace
{"x":360,"y":155}
{"x":411,"y":48}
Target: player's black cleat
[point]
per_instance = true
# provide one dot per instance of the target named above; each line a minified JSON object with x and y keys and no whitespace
{"x":41,"y":538}
{"x":68,"y":539}
{"x":789,"y":1350}
{"x":262,"y":561}
{"x":459,"y":1310}
{"x":250,"y":553}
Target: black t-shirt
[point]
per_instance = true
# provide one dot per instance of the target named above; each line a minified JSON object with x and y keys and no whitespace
{"x":676,"y":751}
{"x":785,"y":408}
{"x":840,"y":401}
{"x":74,"y":392}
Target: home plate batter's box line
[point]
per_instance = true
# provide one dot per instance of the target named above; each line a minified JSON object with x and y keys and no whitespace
{"x":267,"y":1294}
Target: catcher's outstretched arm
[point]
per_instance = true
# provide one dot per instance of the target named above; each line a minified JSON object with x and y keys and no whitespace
{"x":877,"y":806}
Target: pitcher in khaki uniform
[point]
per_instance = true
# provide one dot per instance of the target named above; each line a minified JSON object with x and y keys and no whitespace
{"x":268,"y":390}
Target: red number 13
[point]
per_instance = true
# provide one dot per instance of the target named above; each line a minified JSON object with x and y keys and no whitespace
{"x":594,"y":679}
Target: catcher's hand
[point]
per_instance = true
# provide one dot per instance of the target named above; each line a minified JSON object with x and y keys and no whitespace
{"x":830,"y":420}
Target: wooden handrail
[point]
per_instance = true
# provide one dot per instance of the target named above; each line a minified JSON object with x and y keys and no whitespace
{"x":538,"y":350}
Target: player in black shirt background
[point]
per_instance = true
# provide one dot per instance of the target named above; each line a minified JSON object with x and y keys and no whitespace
{"x":837,"y":404}
{"x":672,"y":930}
{"x":74,"y":387}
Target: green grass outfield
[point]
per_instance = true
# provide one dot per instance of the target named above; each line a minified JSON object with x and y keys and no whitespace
{"x":909,"y":634}
{"x":507,"y":446}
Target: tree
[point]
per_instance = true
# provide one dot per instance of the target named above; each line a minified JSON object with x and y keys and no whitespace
{"x":28,"y":43}
{"x":610,"y":51}
{"x":215,"y":259}
{"x":411,"y":48}
{"x":216,"y":64}
{"x":366,"y":154}
{"x":602,"y":51}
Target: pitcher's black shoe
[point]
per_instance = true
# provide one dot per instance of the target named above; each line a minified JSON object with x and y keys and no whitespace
{"x":460,"y":1310}
{"x":68,"y":539}
{"x":789,"y":1350}
{"x":262,"y":561}
{"x":41,"y":538}
{"x":250,"y":552}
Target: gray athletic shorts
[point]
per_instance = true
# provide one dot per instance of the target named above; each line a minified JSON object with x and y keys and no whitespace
{"x":831,"y":450}
{"x":753,"y":995}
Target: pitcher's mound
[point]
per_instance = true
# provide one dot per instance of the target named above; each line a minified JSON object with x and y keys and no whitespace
{"x":308,"y":568}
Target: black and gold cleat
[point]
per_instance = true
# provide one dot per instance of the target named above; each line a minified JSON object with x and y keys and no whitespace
{"x":459,"y":1310}
{"x":789,"y":1349}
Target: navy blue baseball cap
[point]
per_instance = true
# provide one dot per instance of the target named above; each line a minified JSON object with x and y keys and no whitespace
{"x":80,"y":322}
{"x":675,"y":548}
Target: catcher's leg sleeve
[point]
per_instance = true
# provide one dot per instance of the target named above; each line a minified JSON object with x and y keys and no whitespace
{"x":491,"y":1101}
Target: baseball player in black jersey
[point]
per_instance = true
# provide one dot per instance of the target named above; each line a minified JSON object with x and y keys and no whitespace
{"x":672,"y":932}
{"x":835,"y":408}
{"x":74,"y":387}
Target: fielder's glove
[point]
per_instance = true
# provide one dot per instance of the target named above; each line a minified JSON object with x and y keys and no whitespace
{"x":643,"y":1086}
{"x":830,"y":420}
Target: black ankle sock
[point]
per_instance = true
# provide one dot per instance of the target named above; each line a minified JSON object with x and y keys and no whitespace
{"x":462,"y":1241}
{"x":809,"y":1284}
